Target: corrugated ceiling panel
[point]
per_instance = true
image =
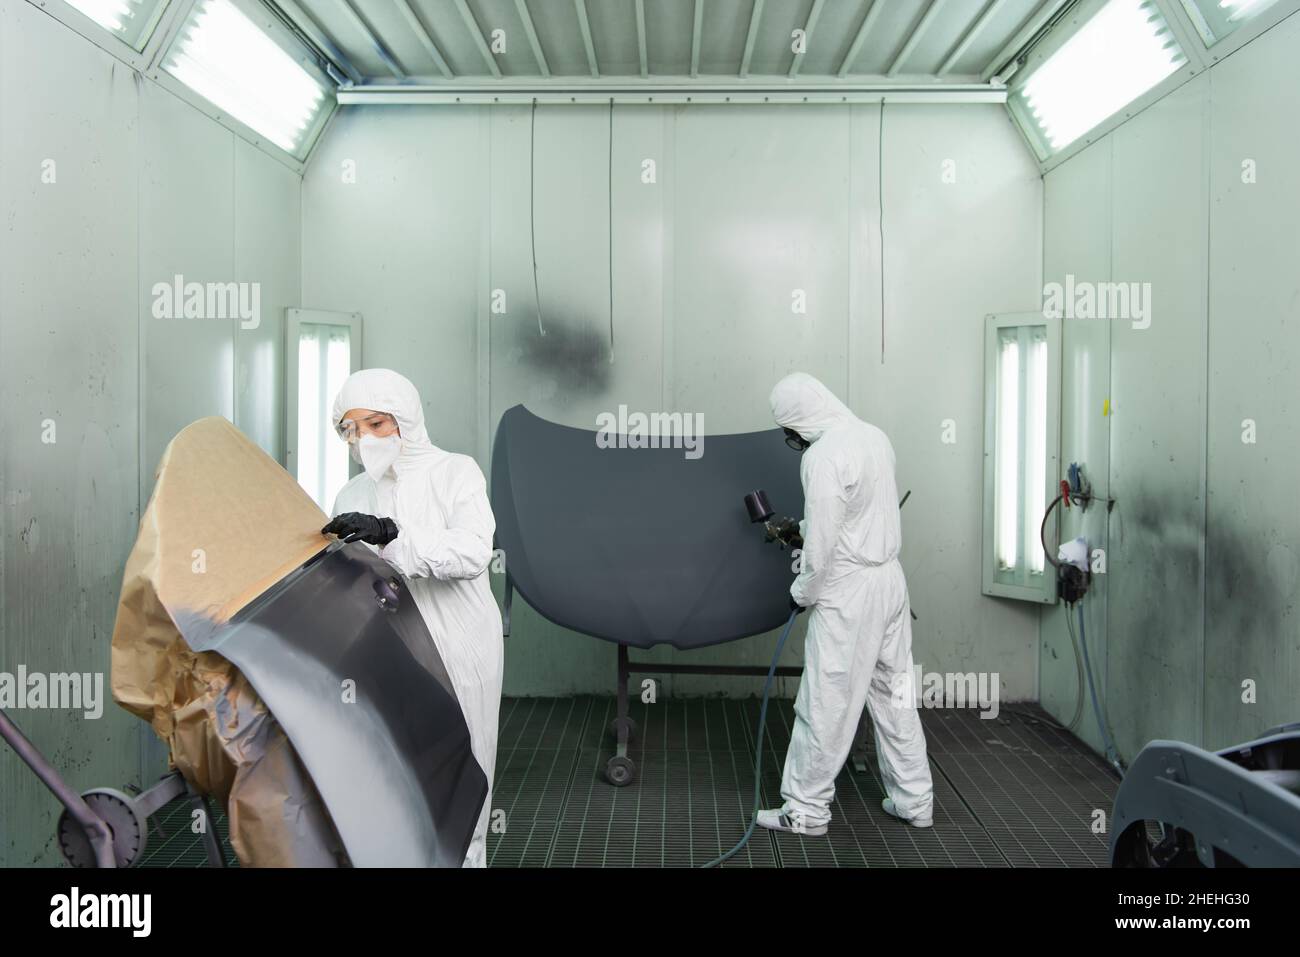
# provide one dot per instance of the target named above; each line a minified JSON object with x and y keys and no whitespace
{"x":613,"y":29}
{"x":1002,"y":26}
{"x":561,"y":36}
{"x":451,"y":35}
{"x":772,"y":53}
{"x":725,"y":25}
{"x":669,"y":30}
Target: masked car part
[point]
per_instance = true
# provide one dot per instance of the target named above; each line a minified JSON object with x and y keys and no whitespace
{"x":342,"y":657}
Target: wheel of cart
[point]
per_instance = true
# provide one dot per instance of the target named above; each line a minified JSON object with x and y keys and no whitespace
{"x":620,"y":771}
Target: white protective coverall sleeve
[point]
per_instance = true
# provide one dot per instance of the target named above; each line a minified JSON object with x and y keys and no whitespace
{"x":439,"y":502}
{"x":461,"y":550}
{"x":858,"y":650}
{"x":824,"y":505}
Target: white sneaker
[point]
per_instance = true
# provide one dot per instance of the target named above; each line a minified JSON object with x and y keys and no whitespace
{"x":888,"y":805}
{"x":779,"y":820}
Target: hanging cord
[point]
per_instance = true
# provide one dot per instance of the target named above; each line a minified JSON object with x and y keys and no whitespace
{"x":880,"y":225}
{"x":532,"y":208}
{"x":1042,"y":532}
{"x":611,"y":229}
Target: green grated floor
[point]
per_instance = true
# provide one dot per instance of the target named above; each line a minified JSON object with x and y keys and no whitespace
{"x":1015,"y":791}
{"x":1011,"y":791}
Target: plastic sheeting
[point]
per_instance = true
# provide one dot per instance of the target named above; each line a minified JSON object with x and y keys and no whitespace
{"x":230,"y":557}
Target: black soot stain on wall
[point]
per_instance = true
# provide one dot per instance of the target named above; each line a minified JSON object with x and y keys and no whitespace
{"x":576,"y":353}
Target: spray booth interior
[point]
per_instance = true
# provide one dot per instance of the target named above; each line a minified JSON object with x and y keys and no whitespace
{"x":1047,"y":247}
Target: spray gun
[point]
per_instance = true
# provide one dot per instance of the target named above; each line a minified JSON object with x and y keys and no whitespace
{"x":783,"y":531}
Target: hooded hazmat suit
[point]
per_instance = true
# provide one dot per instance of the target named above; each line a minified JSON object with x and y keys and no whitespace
{"x":444,"y":545}
{"x":859,"y":645}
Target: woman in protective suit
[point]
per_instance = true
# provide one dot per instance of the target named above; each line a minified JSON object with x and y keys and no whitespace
{"x":859,"y":646}
{"x":427,"y":512}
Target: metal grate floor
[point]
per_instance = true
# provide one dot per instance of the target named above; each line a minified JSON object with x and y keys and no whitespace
{"x":172,"y":843}
{"x":1015,"y":791}
{"x":1012,"y":791}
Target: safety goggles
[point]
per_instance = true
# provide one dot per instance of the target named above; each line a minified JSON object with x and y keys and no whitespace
{"x":380,"y":423}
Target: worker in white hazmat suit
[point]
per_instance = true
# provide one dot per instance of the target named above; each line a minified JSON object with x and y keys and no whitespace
{"x":427,"y":512}
{"x":859,"y":645}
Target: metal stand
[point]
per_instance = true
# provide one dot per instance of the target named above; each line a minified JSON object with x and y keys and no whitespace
{"x":861,"y":745}
{"x":104,"y":827}
{"x":620,"y":769}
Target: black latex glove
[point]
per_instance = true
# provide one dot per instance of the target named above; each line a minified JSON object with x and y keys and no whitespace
{"x":796,"y":607}
{"x":366,"y":528}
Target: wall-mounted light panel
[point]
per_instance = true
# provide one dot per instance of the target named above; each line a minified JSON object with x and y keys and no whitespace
{"x":131,"y":21}
{"x":322,"y":349}
{"x":1216,"y":20}
{"x":1022,"y":402}
{"x":239,"y":59}
{"x":1094,"y":64}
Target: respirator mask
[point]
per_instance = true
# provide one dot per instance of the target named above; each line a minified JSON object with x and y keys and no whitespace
{"x":375,"y":454}
{"x":795,"y":440}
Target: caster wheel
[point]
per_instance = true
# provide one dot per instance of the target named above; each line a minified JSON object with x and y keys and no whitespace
{"x":620,"y":771}
{"x":118,"y":811}
{"x":631,"y":727}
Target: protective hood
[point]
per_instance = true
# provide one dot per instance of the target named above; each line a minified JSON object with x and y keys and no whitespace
{"x":802,"y":403}
{"x":382,"y":390}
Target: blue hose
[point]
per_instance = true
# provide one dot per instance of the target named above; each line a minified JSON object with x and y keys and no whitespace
{"x":1111,"y":754}
{"x":758,"y":749}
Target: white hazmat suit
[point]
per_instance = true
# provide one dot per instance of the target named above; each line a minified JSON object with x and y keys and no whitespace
{"x":859,"y":644}
{"x":444,"y":546}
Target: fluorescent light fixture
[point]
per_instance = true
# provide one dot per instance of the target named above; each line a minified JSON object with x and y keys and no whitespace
{"x":1243,"y":9}
{"x":1216,"y":19}
{"x":1123,"y":51}
{"x":224,"y":56}
{"x":1007,"y":475}
{"x":1020,"y":456}
{"x":1035,"y":445}
{"x":131,"y":21}
{"x":1022,"y":387}
{"x":324,"y":361}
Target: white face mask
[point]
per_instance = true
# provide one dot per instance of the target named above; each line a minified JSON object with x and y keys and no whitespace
{"x":377,"y":454}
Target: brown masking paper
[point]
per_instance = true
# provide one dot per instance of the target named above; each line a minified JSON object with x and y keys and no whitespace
{"x":224,"y":524}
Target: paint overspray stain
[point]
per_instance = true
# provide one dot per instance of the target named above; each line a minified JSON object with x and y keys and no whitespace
{"x":199,"y":629}
{"x":572,"y":358}
{"x":1162,"y":672}
{"x":31,"y":536}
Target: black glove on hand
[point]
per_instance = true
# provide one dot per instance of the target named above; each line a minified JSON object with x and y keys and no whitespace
{"x":366,"y":528}
{"x":796,"y":607}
